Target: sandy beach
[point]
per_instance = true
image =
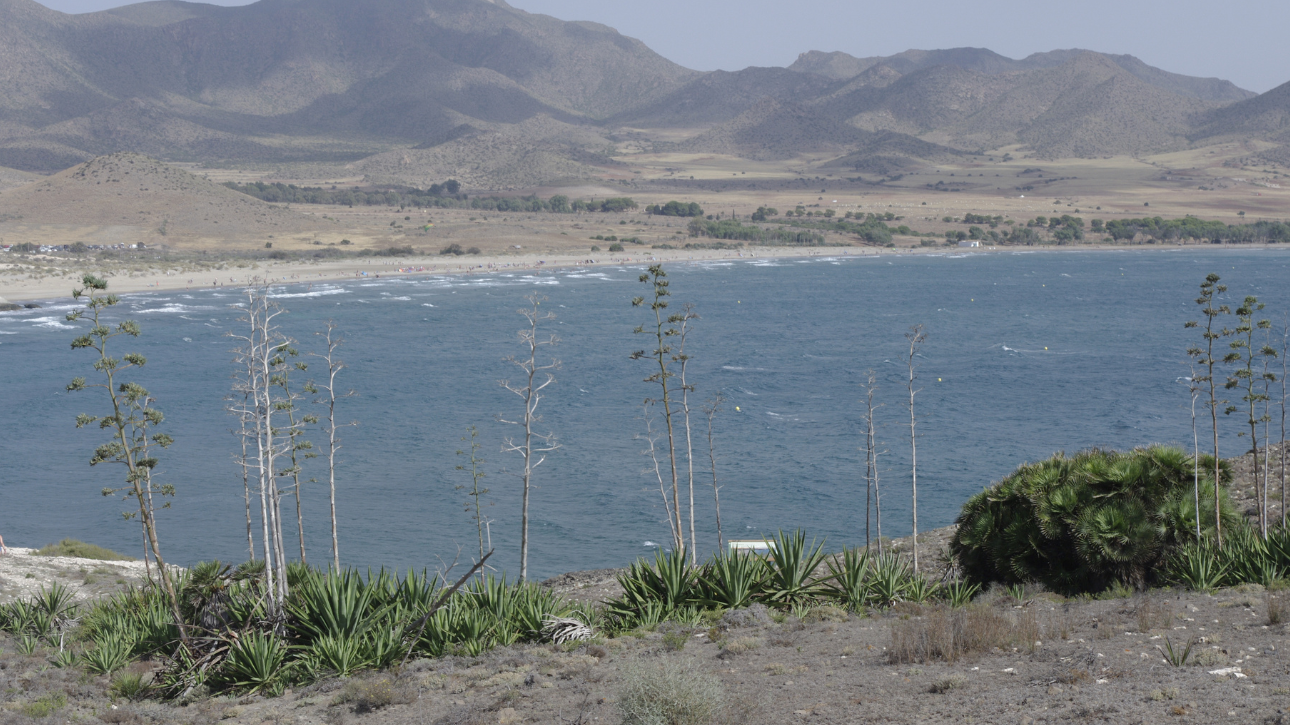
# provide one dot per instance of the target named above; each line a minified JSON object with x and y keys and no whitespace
{"x":16,"y":289}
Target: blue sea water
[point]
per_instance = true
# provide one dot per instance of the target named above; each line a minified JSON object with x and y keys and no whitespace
{"x":1027,"y":354}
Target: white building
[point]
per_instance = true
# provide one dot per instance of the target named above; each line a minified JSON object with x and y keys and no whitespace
{"x":969,"y":243}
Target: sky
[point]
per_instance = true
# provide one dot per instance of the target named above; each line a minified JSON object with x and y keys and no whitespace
{"x":1237,"y":40}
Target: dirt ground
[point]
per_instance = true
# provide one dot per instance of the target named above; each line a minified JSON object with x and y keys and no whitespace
{"x":1091,"y":661}
{"x":23,"y":573}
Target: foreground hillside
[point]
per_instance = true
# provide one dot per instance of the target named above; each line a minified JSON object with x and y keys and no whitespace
{"x":1040,"y":658}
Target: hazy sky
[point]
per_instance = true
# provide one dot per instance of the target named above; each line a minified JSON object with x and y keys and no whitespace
{"x":1239,"y":40}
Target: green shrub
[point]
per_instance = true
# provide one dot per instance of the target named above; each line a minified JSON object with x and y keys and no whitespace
{"x":81,"y":550}
{"x":674,"y":641}
{"x":108,"y":655}
{"x":45,"y":705}
{"x":1084,"y":523}
{"x":669,"y":693}
{"x":128,"y":686}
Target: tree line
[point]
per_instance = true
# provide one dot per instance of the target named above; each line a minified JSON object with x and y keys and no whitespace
{"x":437,"y":196}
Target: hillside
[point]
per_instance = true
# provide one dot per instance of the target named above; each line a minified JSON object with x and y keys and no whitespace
{"x":414,"y":91}
{"x":1266,"y":116}
{"x":155,"y":200}
{"x":841,"y":66}
{"x":502,"y":157}
{"x":775,"y":130}
{"x":1088,"y":106}
{"x":194,"y":81}
{"x":720,"y":96}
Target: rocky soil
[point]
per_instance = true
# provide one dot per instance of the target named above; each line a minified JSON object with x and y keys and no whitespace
{"x":1089,"y":661}
{"x":23,"y":573}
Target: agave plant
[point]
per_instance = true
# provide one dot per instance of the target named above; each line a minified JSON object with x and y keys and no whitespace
{"x":384,"y":646}
{"x":1197,"y":566}
{"x":531,"y":605}
{"x":919,"y":590}
{"x":254,"y":661}
{"x":342,"y":654}
{"x":732,"y":581}
{"x":960,"y":592}
{"x":64,"y":659}
{"x":668,"y":584}
{"x":849,"y":578}
{"x":335,"y":605}
{"x":889,"y":582}
{"x":790,"y":568}
{"x":109,"y":654}
{"x":1248,"y":558}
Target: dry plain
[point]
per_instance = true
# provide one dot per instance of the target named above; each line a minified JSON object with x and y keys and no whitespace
{"x":199,"y":233}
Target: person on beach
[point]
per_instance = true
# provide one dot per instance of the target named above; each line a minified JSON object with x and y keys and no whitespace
{"x":3,"y":550}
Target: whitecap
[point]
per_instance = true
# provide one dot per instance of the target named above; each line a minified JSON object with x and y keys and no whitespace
{"x":173,"y":307}
{"x":312,"y":293}
{"x":51,"y":322}
{"x":400,"y":299}
{"x":426,"y":304}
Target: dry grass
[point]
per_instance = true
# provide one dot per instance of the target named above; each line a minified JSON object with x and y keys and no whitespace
{"x":373,"y":693}
{"x":674,"y":693}
{"x":1276,"y":610}
{"x":1151,"y":613}
{"x":948,"y":635}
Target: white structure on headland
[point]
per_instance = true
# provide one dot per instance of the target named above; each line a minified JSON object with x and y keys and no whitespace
{"x":969,"y":243}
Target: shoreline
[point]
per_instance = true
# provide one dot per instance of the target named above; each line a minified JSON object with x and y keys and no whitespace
{"x":301,"y":272}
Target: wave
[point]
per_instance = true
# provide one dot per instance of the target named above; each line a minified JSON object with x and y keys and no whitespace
{"x":400,"y":299}
{"x":174,"y":307}
{"x":51,"y":322}
{"x":312,"y":293}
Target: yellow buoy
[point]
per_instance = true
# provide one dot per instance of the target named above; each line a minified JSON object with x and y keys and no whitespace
{"x":736,"y":408}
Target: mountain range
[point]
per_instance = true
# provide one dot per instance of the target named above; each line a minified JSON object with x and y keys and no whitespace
{"x":422,"y":89}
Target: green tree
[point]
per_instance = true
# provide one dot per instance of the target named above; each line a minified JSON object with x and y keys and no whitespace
{"x":131,"y":423}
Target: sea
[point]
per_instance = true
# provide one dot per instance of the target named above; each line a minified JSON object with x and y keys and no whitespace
{"x":1027,"y":354}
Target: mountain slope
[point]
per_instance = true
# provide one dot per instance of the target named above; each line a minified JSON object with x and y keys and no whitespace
{"x":720,"y":96}
{"x":840,"y":66}
{"x":1087,"y":106}
{"x":385,"y":71}
{"x":1266,"y":116}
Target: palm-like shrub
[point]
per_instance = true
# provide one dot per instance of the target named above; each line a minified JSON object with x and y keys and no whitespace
{"x":1085,"y":522}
